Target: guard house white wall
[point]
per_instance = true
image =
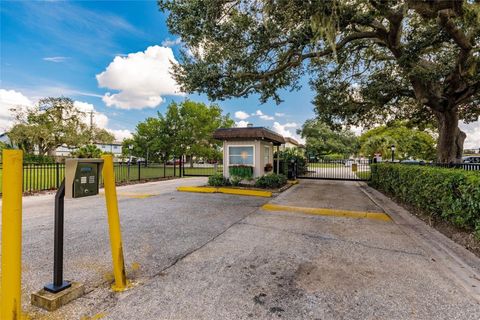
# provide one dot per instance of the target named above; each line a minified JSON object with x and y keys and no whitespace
{"x":258,"y":155}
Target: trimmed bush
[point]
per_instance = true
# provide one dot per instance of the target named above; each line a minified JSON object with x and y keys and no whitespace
{"x":271,"y":181}
{"x":235,"y":180}
{"x":217,"y":180}
{"x":450,"y":194}
{"x":245,"y":172}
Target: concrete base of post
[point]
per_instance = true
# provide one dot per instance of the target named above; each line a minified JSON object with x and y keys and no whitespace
{"x":52,"y":301}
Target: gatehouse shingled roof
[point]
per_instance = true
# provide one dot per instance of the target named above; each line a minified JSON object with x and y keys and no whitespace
{"x":249,"y":133}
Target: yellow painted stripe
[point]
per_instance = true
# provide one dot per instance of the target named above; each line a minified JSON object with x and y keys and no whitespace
{"x":197,"y":189}
{"x":241,"y":192}
{"x":329,"y":212}
{"x":245,"y":192}
{"x":133,"y":195}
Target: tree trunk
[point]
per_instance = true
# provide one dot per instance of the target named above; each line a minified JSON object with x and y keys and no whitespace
{"x":450,"y":138}
{"x":191,"y":161}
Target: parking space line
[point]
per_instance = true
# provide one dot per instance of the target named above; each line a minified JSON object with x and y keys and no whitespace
{"x":329,"y":212}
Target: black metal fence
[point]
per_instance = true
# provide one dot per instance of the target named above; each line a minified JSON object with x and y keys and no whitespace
{"x":463,"y":166}
{"x":347,"y":169}
{"x":201,"y":169}
{"x":49,"y":176}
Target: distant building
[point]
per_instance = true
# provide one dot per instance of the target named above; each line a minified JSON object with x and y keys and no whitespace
{"x":115,"y":148}
{"x":63,"y":151}
{"x":4,"y":138}
{"x":291,"y":143}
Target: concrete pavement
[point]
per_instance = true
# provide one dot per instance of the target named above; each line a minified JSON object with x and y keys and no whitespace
{"x":216,"y":256}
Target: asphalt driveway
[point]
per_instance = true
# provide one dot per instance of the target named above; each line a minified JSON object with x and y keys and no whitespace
{"x":216,"y":256}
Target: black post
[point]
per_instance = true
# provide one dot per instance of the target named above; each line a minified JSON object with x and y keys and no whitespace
{"x":58,"y":283}
{"x":174,"y":167}
{"x":393,"y":155}
{"x":57,"y":172}
{"x":139,"y":168}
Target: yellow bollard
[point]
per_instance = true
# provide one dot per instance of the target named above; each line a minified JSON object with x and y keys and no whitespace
{"x":11,"y":305}
{"x":114,"y":224}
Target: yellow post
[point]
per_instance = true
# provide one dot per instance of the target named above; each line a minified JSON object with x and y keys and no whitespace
{"x":11,"y":305}
{"x":114,"y":224}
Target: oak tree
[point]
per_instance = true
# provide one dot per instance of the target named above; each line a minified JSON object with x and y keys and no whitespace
{"x":369,"y":61}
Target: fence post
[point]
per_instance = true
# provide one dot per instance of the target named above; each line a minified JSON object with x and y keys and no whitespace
{"x":174,"y":167}
{"x":139,"y":168}
{"x":114,"y":224}
{"x":11,"y":306}
{"x":57,"y":173}
{"x":182,"y":167}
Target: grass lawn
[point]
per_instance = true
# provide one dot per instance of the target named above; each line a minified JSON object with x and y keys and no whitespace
{"x":319,"y":165}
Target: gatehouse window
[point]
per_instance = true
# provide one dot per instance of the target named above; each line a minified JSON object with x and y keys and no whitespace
{"x":240,"y":155}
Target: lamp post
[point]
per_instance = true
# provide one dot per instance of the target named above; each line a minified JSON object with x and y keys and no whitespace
{"x":393,"y":152}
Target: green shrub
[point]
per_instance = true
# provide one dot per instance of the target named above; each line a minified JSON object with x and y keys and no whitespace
{"x":452,"y":195}
{"x":217,"y":180}
{"x":245,"y":172}
{"x":287,"y":156}
{"x":235,"y":180}
{"x":271,"y":181}
{"x":35,"y":158}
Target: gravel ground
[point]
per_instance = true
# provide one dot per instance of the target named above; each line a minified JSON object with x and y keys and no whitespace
{"x":216,"y":256}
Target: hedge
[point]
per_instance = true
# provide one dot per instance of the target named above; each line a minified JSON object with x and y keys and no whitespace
{"x":452,"y":195}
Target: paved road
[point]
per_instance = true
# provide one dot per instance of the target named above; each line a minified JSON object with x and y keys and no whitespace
{"x":216,"y":256}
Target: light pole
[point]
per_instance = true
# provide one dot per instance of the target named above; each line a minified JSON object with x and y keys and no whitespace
{"x":393,"y":152}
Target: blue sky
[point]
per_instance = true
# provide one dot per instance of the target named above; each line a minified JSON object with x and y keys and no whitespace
{"x":54,"y":48}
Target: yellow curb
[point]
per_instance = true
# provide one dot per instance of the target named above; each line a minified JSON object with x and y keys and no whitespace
{"x":329,"y":212}
{"x":293,"y":182}
{"x":244,"y":192}
{"x":197,"y":189}
{"x":241,"y":192}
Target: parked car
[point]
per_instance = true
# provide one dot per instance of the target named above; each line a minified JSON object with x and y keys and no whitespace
{"x":471,"y":159}
{"x":410,"y":161}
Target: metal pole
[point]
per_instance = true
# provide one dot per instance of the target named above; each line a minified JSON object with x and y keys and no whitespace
{"x":11,"y":306}
{"x":139,"y":168}
{"x":58,"y":283}
{"x":114,"y":224}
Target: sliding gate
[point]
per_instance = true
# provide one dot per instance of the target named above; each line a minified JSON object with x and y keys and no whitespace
{"x":349,"y":169}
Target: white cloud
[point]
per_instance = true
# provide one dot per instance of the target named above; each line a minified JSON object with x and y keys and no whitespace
{"x":265,"y":117}
{"x":473,"y":134}
{"x":141,"y":78}
{"x":170,"y":43}
{"x":283,"y":129}
{"x":99,"y":119}
{"x":120,"y":134}
{"x":279,"y":114}
{"x":10,"y":99}
{"x":241,"y":124}
{"x":241,"y":115}
{"x":56,"y":59}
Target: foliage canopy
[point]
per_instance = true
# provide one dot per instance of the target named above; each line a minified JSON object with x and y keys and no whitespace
{"x":369,"y":61}
{"x":51,"y":123}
